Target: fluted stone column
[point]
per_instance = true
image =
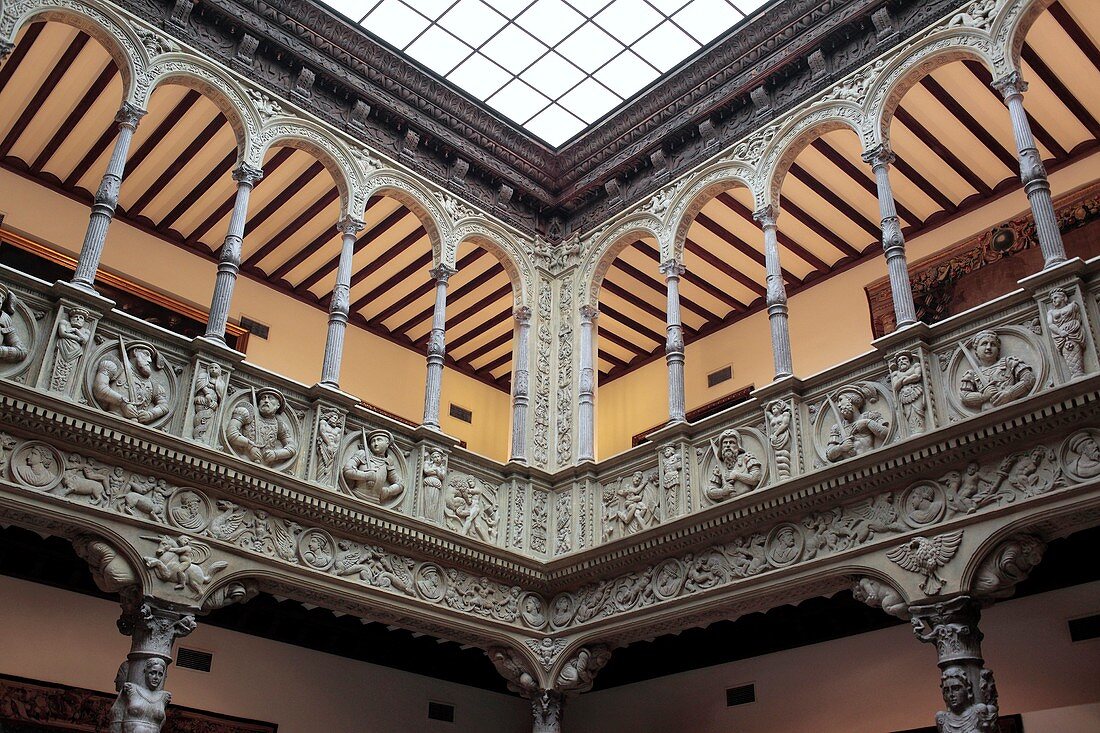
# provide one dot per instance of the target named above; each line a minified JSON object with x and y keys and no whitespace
{"x":153,"y":629}
{"x":437,"y":347}
{"x":521,"y":384}
{"x":546,"y":710}
{"x":338,"y":306}
{"x":776,"y":295}
{"x":893,"y":241}
{"x":229,"y":263}
{"x":586,"y":412}
{"x":1032,"y":172}
{"x":674,"y":342}
{"x":969,"y":691}
{"x":106,"y":199}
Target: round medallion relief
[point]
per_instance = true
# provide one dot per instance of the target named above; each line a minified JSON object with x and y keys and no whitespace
{"x":189,"y":509}
{"x":785,"y":545}
{"x":431,"y":583}
{"x":317,"y":549}
{"x":923,"y":504}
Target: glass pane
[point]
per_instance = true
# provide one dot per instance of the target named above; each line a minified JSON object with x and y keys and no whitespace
{"x":550,"y":20}
{"x":394,"y":22}
{"x":590,"y":100}
{"x":589,"y":48}
{"x":473,"y":21}
{"x":552,"y":75}
{"x":354,"y":9}
{"x":626,"y":74}
{"x":665,"y":47}
{"x":431,"y":9}
{"x":518,"y":101}
{"x":479,"y":76}
{"x":555,"y":125}
{"x":705,"y":20}
{"x":628,"y":20}
{"x":513,"y":49}
{"x":439,"y":50}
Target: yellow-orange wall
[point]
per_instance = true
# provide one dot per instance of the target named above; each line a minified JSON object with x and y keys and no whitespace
{"x":829,"y":323}
{"x":374,"y":369}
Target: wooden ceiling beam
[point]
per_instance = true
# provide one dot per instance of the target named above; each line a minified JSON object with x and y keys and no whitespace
{"x":95,"y":91}
{"x":632,"y":324}
{"x":873,"y":228}
{"x":694,"y":279}
{"x":625,"y":343}
{"x":304,"y":253}
{"x":860,"y":176}
{"x":376,"y":231}
{"x":423,"y":288}
{"x":784,"y":239}
{"x":276,"y":204}
{"x":499,"y":318}
{"x":26,"y":43}
{"x":639,"y":303}
{"x":453,"y":296}
{"x":743,"y":247}
{"x":226,"y":206}
{"x":1076,"y":33}
{"x":420,"y":263}
{"x":724,"y":267}
{"x":487,"y":347}
{"x":496,"y":363}
{"x":917,"y":179}
{"x":616,"y":362}
{"x":45,"y":89}
{"x":216,"y":173}
{"x":659,"y":288}
{"x":972,"y":126}
{"x":944,"y":153}
{"x":161,"y":131}
{"x":1061,"y":91}
{"x":302,"y":220}
{"x":1048,"y":141}
{"x":164,"y":180}
{"x":456,"y":320}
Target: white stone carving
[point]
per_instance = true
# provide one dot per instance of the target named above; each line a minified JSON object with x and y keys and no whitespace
{"x":733,"y":464}
{"x":72,"y":337}
{"x":1067,"y":330}
{"x":433,"y":477}
{"x":994,"y":368}
{"x":211,"y":383}
{"x":907,"y":382}
{"x":631,"y":504}
{"x":374,"y":470}
{"x":330,"y":431}
{"x":131,"y":379}
{"x":179,"y":562}
{"x":261,"y":428}
{"x":470,"y":508}
{"x":853,"y":420}
{"x":37,"y":465}
{"x":925,"y":556}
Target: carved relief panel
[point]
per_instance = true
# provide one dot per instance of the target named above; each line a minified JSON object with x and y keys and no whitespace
{"x":433,"y":477}
{"x":18,"y":334}
{"x":70,"y":338}
{"x":129,"y":377}
{"x":851,"y":420}
{"x":261,"y":426}
{"x":373,"y":468}
{"x":631,"y":504}
{"x":471,"y":507}
{"x":993,"y":367}
{"x":209,"y":384}
{"x":1067,"y":332}
{"x":328,"y":434}
{"x":733,"y":463}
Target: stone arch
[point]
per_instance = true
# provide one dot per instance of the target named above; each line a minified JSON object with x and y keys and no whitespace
{"x":941,"y":47}
{"x":700,"y":189}
{"x":328,"y":150}
{"x":795,"y":137}
{"x":423,"y":203}
{"x":107,"y":28}
{"x":1010,"y":29}
{"x":606,"y":248}
{"x":497,"y":242}
{"x":215,"y":85}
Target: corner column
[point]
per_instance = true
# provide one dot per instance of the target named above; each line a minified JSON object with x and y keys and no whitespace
{"x":674,"y":342}
{"x":106,"y":199}
{"x":546,"y":710}
{"x":893,"y":241}
{"x":1032,"y":172}
{"x":586,"y":413}
{"x":521,"y":379}
{"x":437,"y":347}
{"x":229,"y":263}
{"x":338,"y":307}
{"x":777,"y":293}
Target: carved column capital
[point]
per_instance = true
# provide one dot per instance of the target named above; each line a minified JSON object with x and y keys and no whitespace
{"x":766,"y":215}
{"x":248,"y":174}
{"x":1011,"y":84}
{"x":129,"y":115}
{"x":350,"y":225}
{"x":953,"y":627}
{"x":546,"y":712}
{"x":589,"y":313}
{"x":442,"y":273}
{"x":879,"y":156}
{"x":154,"y":627}
{"x":1007,"y":565}
{"x":672,"y":268}
{"x":522,"y":314}
{"x":6,"y":47}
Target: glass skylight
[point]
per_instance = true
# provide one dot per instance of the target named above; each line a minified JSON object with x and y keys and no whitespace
{"x":552,"y":66}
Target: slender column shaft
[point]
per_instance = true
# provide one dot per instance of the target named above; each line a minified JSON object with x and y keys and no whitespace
{"x":586,"y":413}
{"x":1032,"y":172}
{"x":777,"y":294}
{"x":229,"y":264}
{"x":546,"y":710}
{"x":338,"y":306}
{"x":893,"y":241}
{"x":520,"y":384}
{"x":674,"y":342}
{"x":106,"y":199}
{"x":437,"y":347}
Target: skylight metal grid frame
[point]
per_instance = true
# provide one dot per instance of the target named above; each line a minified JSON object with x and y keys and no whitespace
{"x":554,"y":67}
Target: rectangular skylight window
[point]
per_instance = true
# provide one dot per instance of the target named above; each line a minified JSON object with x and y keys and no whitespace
{"x":551,"y":66}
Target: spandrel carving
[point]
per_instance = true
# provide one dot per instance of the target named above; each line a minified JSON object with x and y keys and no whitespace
{"x":188,"y":509}
{"x":1067,"y":330}
{"x":631,"y":505}
{"x":87,"y":479}
{"x":854,"y":420}
{"x":375,"y":470}
{"x":1009,"y":564}
{"x":211,"y":383}
{"x":180,"y":562}
{"x":925,"y":556}
{"x":470,"y":508}
{"x":73,"y":335}
{"x":995,"y":368}
{"x":733,"y":465}
{"x":907,"y":382}
{"x":261,"y":428}
{"x":132,"y":380}
{"x":482,"y":596}
{"x":878,"y":594}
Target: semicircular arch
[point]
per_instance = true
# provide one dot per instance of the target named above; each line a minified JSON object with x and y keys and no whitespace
{"x":424,"y":205}
{"x":700,"y":189}
{"x":496,"y":241}
{"x":317,"y":142}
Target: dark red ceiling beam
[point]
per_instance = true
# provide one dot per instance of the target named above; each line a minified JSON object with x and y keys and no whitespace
{"x":161,"y":131}
{"x":972,"y":126}
{"x":378,"y":230}
{"x":625,"y":320}
{"x":1046,"y":75}
{"x":216,"y":174}
{"x":496,"y":363}
{"x":425,"y":287}
{"x":631,"y":345}
{"x":784,"y":239}
{"x":95,"y":91}
{"x":421,"y":263}
{"x":457,"y":343}
{"x":939,"y":149}
{"x":168,"y":175}
{"x":453,"y":296}
{"x":694,"y":279}
{"x":1076,"y":33}
{"x":657,"y":287}
{"x":276,"y":204}
{"x":226,"y":206}
{"x":862,"y":176}
{"x":1045,"y":138}
{"x":616,"y":362}
{"x":26,"y":43}
{"x":724,"y":267}
{"x":485,"y":348}
{"x":873,"y":228}
{"x":457,"y":319}
{"x":743,"y":247}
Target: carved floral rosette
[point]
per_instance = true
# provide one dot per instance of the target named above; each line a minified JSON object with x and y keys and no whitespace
{"x":18,"y":334}
{"x":873,"y":418}
{"x":1019,"y":343}
{"x":713,"y":477}
{"x":162,"y":375}
{"x":356,"y":439}
{"x":244,"y":399}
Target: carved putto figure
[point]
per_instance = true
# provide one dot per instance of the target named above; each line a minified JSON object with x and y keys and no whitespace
{"x":877,"y":594}
{"x":210,"y":387}
{"x":632,"y":507}
{"x":12,"y":347}
{"x":261,"y":431}
{"x":1066,"y":329}
{"x":371,"y":472}
{"x":992,"y":380}
{"x":140,"y":705}
{"x":434,"y":474}
{"x":856,"y":431}
{"x":127,"y":385}
{"x":963,"y":714}
{"x":736,"y":470}
{"x":330,"y":429}
{"x":907,"y":381}
{"x":779,"y":416}
{"x":179,"y":561}
{"x":470,"y":510}
{"x":72,"y":336}
{"x":85,"y":478}
{"x":978,"y":15}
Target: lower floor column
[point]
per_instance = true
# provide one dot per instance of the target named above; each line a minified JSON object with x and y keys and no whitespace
{"x":546,"y":710}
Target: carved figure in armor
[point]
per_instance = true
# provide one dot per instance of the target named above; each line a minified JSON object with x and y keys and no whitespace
{"x":140,"y":705}
{"x":12,"y":348}
{"x":629,"y":506}
{"x":993,"y":381}
{"x":37,"y":467}
{"x":125,"y":386}
{"x":1067,"y":330}
{"x":736,"y":470}
{"x":434,"y":473}
{"x":261,"y":431}
{"x":209,"y":390}
{"x":469,"y":511}
{"x":330,"y":428}
{"x":907,"y":381}
{"x":371,"y":473}
{"x":72,"y":336}
{"x":1085,"y":458}
{"x":856,"y":431}
{"x":963,"y":714}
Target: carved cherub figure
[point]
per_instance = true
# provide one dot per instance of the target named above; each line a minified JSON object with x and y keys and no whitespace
{"x":1066,"y":329}
{"x":992,"y":380}
{"x":856,"y":431}
{"x":736,"y":470}
{"x":963,"y":714}
{"x":371,"y":473}
{"x":180,"y":561}
{"x":72,"y":336}
{"x":629,"y":506}
{"x":262,"y":431}
{"x":126,"y":385}
{"x":907,"y":381}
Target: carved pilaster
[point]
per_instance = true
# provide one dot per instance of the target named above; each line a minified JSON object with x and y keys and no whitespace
{"x":1064,"y":319}
{"x":674,"y":342}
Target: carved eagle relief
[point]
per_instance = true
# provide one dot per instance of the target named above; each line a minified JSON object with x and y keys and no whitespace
{"x":926,"y":556}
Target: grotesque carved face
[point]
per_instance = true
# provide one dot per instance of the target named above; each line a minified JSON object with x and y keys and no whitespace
{"x":77,"y":320}
{"x":268,"y":404}
{"x":988,"y":347}
{"x":956,"y":689}
{"x":143,"y":361}
{"x":903,"y":362}
{"x":379,"y":444}
{"x":154,"y":674}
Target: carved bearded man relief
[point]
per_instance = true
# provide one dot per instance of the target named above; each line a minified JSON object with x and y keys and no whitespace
{"x":736,"y":470}
{"x":261,"y":431}
{"x":132,"y":384}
